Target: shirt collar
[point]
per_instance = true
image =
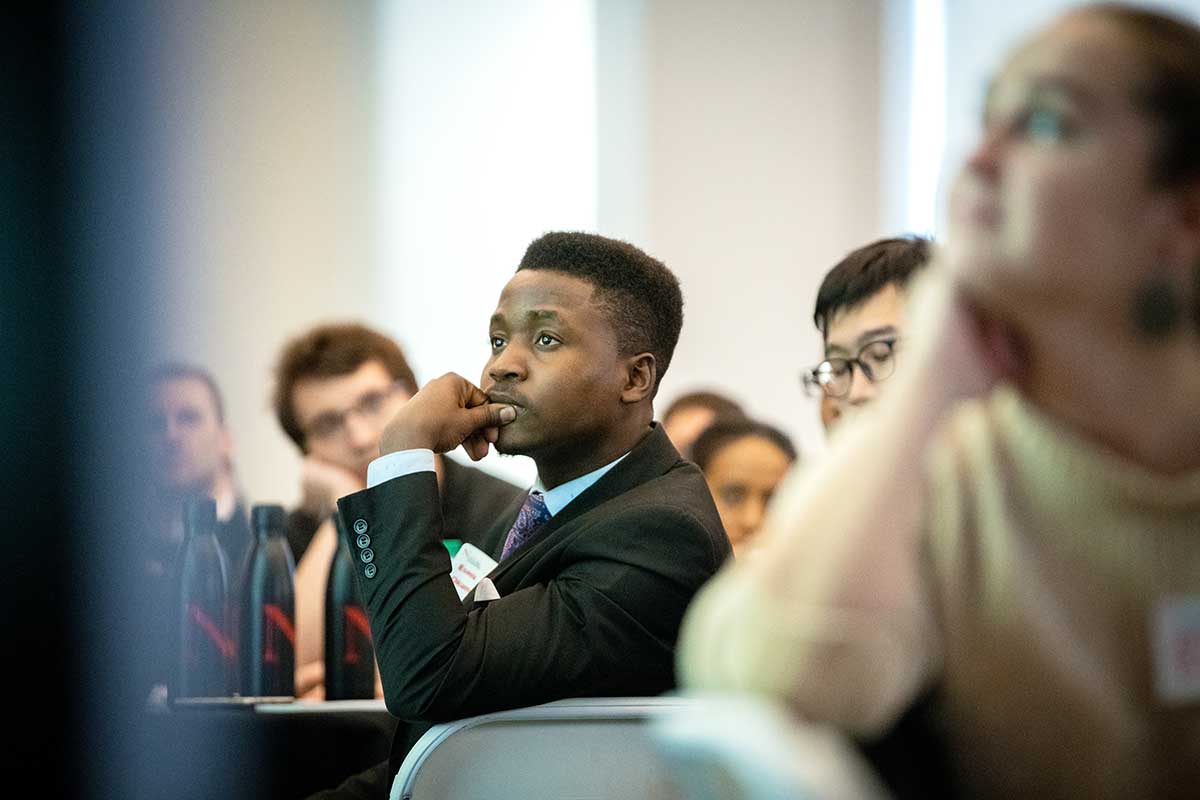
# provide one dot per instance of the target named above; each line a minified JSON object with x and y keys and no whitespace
{"x":556,"y":499}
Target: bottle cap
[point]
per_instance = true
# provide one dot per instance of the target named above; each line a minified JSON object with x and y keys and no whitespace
{"x":199,"y":515}
{"x":268,"y":519}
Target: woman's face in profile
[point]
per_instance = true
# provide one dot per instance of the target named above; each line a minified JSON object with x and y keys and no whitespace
{"x":1056,"y":204}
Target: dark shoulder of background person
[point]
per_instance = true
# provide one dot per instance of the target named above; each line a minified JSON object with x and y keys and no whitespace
{"x":472,"y":500}
{"x":301,"y":527}
{"x":235,"y":536}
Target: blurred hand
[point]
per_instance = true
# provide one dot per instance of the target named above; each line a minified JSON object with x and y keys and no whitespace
{"x":991,"y":343}
{"x":448,"y":412}
{"x":322,"y":483}
{"x":960,"y":349}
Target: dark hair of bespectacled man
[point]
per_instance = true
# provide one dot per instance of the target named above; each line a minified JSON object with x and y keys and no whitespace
{"x":865,"y":272}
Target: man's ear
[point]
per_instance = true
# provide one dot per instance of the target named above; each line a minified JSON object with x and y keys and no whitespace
{"x":641,"y":373}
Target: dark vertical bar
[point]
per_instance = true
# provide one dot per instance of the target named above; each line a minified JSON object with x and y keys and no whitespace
{"x":36,"y":592}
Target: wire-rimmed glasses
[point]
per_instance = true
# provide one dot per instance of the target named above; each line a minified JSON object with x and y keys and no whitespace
{"x":834,"y":376}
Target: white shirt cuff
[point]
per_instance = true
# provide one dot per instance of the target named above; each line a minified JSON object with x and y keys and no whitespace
{"x":398,"y":464}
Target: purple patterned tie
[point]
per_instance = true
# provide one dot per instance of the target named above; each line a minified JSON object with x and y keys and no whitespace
{"x":533,"y":516}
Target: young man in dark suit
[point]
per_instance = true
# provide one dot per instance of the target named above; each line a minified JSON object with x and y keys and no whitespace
{"x":597,"y":564}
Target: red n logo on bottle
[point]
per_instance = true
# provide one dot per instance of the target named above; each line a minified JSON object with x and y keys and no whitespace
{"x":275,"y":623}
{"x":356,"y":626}
{"x":212,"y":631}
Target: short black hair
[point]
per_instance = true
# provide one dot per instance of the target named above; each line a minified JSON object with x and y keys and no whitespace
{"x":727,"y":431}
{"x":719,"y":404}
{"x":638,"y":294}
{"x":866,"y":271}
{"x":178,"y":371}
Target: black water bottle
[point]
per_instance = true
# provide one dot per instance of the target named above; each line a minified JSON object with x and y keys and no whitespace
{"x":349,"y":654}
{"x":204,"y":651}
{"x":267,"y":614}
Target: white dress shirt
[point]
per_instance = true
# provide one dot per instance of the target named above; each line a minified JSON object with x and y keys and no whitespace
{"x":407,"y":462}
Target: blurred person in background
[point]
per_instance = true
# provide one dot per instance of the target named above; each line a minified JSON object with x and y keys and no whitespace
{"x":742,"y":461}
{"x":191,"y":455}
{"x":860,"y":312}
{"x":689,"y":414}
{"x":336,"y":386}
{"x":1027,"y":547}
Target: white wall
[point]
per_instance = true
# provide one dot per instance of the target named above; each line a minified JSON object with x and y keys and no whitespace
{"x":763,"y":171}
{"x":488,"y":138}
{"x":267,"y":196}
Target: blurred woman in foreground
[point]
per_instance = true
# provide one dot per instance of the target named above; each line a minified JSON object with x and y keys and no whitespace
{"x":1016,"y":526}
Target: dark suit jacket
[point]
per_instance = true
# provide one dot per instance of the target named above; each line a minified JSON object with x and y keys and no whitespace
{"x":591,"y":607}
{"x":472,"y":500}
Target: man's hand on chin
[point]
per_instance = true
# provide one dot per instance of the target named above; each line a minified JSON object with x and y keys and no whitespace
{"x":448,"y":412}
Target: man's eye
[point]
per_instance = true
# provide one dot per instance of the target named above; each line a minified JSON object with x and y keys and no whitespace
{"x":497,"y":342}
{"x":877,"y":352}
{"x":1044,"y":124}
{"x":546,"y":340}
{"x":325,"y":425}
{"x":733,"y":495}
{"x":372,"y":403}
{"x":833,"y":368}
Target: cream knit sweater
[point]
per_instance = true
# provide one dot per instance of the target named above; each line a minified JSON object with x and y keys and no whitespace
{"x":1040,"y":566}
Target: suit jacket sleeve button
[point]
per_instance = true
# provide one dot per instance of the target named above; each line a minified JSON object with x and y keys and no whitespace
{"x":370,"y":571}
{"x":363,"y":541}
{"x":360,"y":525}
{"x":367,"y":555}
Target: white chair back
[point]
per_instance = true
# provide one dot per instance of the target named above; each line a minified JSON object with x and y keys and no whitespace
{"x":583,"y":749}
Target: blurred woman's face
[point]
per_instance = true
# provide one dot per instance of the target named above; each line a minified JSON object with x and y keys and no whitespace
{"x":1056,"y":204}
{"x":742,"y":476}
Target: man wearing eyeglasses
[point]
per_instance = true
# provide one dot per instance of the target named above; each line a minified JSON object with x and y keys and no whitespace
{"x":860,"y":314}
{"x":336,"y":388}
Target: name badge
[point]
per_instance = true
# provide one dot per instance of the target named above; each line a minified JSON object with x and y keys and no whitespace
{"x":469,"y":566}
{"x":1175,"y":631}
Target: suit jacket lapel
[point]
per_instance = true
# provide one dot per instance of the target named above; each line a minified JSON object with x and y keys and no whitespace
{"x":649,"y":458}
